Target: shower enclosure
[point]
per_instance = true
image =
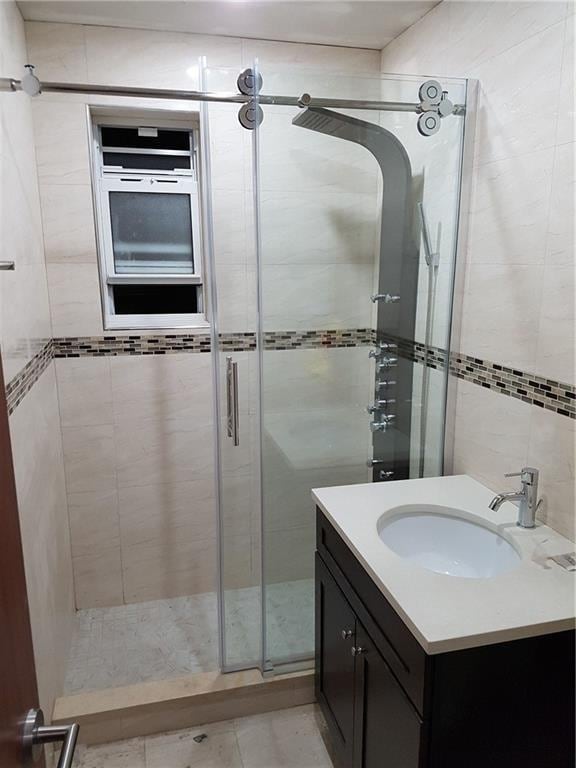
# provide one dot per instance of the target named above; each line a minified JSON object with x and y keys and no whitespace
{"x":340,"y":373}
{"x":330,"y":208}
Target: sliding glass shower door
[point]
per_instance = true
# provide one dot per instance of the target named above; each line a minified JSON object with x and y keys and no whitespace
{"x":355,"y":312}
{"x":333,"y":232}
{"x":229,"y":237}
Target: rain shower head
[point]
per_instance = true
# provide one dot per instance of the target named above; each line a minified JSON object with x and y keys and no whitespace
{"x":335,"y":124}
{"x":385,"y":147}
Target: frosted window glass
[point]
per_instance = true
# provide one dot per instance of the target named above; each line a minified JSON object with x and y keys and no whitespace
{"x":151,"y":233}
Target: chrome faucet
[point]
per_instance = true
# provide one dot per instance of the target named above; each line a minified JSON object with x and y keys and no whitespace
{"x":527,"y":495}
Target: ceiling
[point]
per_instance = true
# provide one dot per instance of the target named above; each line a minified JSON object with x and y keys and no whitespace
{"x":358,"y":23}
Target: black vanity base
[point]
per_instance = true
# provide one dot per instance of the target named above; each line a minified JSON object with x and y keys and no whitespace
{"x":390,"y":705}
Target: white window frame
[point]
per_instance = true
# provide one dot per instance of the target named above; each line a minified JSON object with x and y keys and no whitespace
{"x":106,"y":179}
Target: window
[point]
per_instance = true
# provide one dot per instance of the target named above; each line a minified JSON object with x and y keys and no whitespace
{"x":145,"y":174}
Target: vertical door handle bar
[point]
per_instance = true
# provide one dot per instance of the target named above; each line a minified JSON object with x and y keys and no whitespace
{"x":232,"y":414}
{"x":229,"y":385}
{"x":235,"y":420}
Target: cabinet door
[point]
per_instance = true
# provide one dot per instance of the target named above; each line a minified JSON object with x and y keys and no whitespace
{"x":335,"y":638}
{"x":387,"y":727}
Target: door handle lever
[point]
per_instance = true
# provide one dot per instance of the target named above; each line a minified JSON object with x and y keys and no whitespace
{"x":36,"y":734}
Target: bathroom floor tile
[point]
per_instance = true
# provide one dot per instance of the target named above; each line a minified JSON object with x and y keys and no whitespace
{"x":288,"y":738}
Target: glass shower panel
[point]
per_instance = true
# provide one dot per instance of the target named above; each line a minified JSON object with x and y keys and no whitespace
{"x":230,"y":230}
{"x":338,"y":223}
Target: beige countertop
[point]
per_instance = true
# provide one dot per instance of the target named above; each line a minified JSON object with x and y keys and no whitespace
{"x":447,"y":613}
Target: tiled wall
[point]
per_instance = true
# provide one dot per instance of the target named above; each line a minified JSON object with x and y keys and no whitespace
{"x":34,"y":426}
{"x":137,"y":430}
{"x":518,"y":304}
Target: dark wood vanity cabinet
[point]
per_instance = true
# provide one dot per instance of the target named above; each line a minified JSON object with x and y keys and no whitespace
{"x":390,"y":705}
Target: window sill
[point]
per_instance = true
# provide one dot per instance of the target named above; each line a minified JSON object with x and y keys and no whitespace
{"x":156,"y":323}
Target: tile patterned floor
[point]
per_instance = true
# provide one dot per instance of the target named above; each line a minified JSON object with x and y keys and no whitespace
{"x":289,"y":738}
{"x":156,"y":640}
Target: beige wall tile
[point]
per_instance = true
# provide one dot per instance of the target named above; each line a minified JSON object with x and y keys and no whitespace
{"x":323,"y":57}
{"x":556,"y":336}
{"x":57,"y":50}
{"x":61,"y":131}
{"x":162,"y":451}
{"x":75,"y":304}
{"x":565,"y":129}
{"x":500,"y":313}
{"x":509,"y":212}
{"x":180,"y":566}
{"x":175,"y":386}
{"x":68,"y":220}
{"x":551,"y":449}
{"x":163,"y":513}
{"x":98,"y":579}
{"x":509,"y":123}
{"x":560,"y":241}
{"x":39,"y":471}
{"x":84,"y":391}
{"x":89,"y":458}
{"x":94,"y":521}
{"x":155,"y":59}
{"x":238,"y":565}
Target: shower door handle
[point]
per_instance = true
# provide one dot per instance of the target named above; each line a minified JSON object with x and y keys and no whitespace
{"x":232,"y":423}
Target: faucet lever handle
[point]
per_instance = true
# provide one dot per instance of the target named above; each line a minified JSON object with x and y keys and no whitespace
{"x":528,"y":475}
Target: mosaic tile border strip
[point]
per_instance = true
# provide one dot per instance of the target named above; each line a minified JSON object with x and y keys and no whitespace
{"x":552,"y":395}
{"x":18,"y":387}
{"x":545,"y":393}
{"x":350,"y":337}
{"x":134,"y":344}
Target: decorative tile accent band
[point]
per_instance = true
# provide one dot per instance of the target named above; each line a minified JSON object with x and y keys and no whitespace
{"x":556,"y":396}
{"x":351,"y":337}
{"x":545,"y":393}
{"x":18,"y":387}
{"x":144,"y":344}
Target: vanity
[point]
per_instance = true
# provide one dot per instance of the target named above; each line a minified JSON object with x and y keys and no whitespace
{"x":444,"y":632}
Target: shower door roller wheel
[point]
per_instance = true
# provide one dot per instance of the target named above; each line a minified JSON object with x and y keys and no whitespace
{"x":430,"y":91}
{"x":250,"y":115}
{"x":249,"y":82}
{"x":428,"y":124}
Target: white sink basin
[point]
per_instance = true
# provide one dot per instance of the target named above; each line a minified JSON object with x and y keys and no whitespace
{"x":442,"y":540}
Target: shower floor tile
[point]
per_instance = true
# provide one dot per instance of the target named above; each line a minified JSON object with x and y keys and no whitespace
{"x":160,"y":639}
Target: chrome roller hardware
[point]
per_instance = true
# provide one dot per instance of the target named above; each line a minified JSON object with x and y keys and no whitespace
{"x":387,"y":362}
{"x":356,"y":650}
{"x":428,"y":124}
{"x":383,"y":424}
{"x":346,"y":634}
{"x":430,"y":92}
{"x":250,"y":115}
{"x":249,"y":82}
{"x":387,"y":298}
{"x":434,"y":105}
